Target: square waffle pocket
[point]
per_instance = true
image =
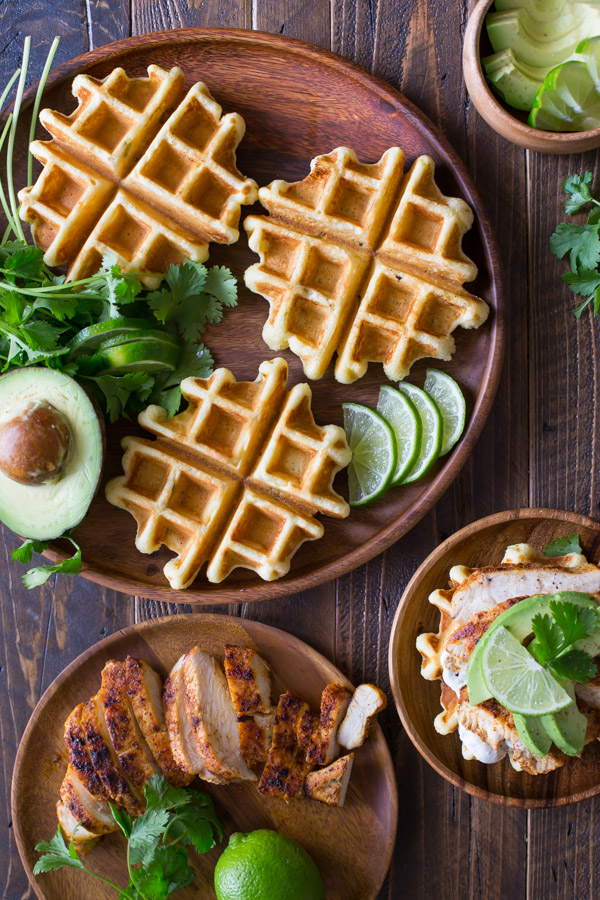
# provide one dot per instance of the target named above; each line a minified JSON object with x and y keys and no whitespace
{"x":235,"y":479}
{"x":139,"y":169}
{"x":363,"y":260}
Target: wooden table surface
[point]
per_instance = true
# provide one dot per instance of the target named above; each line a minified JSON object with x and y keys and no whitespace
{"x":539,"y":448}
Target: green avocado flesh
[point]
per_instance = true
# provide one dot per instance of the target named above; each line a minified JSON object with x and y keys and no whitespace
{"x":566,"y":729}
{"x":45,"y":511}
{"x":533,"y":734}
{"x":517,"y":619}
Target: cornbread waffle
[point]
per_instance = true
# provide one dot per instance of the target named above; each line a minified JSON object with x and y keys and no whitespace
{"x":235,"y":479}
{"x":363,"y":260}
{"x":137,"y":169}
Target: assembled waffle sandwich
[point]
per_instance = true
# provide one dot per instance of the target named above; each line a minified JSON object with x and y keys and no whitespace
{"x":363,"y":260}
{"x":140,"y":169}
{"x":235,"y":479}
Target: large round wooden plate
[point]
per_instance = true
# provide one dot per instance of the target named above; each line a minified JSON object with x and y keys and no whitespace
{"x":351,"y":846}
{"x":418,"y":701}
{"x":298,"y":102}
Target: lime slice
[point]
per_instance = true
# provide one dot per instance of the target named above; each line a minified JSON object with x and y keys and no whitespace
{"x":589,"y":50}
{"x":374,"y":453}
{"x":431,"y":435}
{"x":401,"y":413}
{"x":88,"y":339}
{"x":450,"y":401}
{"x":139,"y":356}
{"x":517,"y":680}
{"x":145,"y":334}
{"x":567,"y":101}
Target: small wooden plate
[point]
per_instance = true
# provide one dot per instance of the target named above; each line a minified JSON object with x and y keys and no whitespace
{"x":351,"y":846}
{"x":297,"y":101}
{"x":508,"y":122}
{"x":418,"y":701}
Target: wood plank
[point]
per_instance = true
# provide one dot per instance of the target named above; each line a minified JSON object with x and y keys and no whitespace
{"x":564,"y":855}
{"x":161,"y":15}
{"x":306,"y":20}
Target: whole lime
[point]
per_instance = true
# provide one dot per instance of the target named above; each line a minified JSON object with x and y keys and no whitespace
{"x":265,"y":865}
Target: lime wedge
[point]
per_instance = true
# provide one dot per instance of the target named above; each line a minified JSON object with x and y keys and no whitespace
{"x":517,"y":680}
{"x":143,"y":334}
{"x":589,"y":50}
{"x":400,"y":412}
{"x":88,"y":339}
{"x":374,"y":453}
{"x":139,"y":356}
{"x":567,"y":100}
{"x":450,"y":401}
{"x":431,"y":435}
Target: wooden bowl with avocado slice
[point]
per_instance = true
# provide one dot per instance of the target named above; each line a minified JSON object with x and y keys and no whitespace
{"x":508,"y":122}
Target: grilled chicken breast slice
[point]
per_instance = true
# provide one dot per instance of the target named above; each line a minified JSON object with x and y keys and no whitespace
{"x":286,"y":767}
{"x":367,"y":701}
{"x":144,"y":689}
{"x":133,"y":753}
{"x":104,"y":759}
{"x":249,"y":682}
{"x":183,"y":744}
{"x":93,"y":815}
{"x":84,"y":840}
{"x":212,"y":717}
{"x":79,"y":756}
{"x":323,"y":747}
{"x":331,"y":784}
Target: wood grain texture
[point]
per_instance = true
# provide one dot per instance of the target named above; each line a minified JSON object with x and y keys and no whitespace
{"x":352,"y":867}
{"x":533,"y":451}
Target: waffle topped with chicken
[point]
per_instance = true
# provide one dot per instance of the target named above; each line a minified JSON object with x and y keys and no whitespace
{"x":365,"y":260}
{"x":235,"y":479}
{"x":140,"y":169}
{"x":476,"y":597}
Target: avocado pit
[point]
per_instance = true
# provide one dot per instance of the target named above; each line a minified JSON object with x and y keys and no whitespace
{"x":35,"y":445}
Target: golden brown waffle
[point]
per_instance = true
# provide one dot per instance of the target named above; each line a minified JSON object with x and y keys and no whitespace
{"x":363,"y":260}
{"x":235,"y":479}
{"x":117,"y":179}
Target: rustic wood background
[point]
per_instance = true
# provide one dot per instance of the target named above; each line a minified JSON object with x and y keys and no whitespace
{"x":539,"y":448}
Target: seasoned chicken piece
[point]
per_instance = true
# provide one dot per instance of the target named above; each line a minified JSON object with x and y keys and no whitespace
{"x":133,"y":753}
{"x":212,"y":717}
{"x":286,"y":766}
{"x":249,"y":684}
{"x":330,"y":785}
{"x":84,"y":840}
{"x":80,"y":758}
{"x":248,"y":679}
{"x":323,"y":747}
{"x":367,"y":701}
{"x":461,"y":643}
{"x":104,"y":759}
{"x":144,"y":689}
{"x":179,"y":728}
{"x":486,"y":587}
{"x":94,"y":816}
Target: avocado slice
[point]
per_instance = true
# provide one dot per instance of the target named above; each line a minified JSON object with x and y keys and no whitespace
{"x":533,"y":734}
{"x":517,"y":619}
{"x":567,"y":729}
{"x":51,"y":452}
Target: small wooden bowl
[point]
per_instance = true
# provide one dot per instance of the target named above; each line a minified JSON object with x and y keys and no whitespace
{"x":502,"y":118}
{"x":418,"y":701}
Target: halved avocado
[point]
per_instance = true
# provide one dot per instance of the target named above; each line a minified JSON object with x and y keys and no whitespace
{"x":51,"y":452}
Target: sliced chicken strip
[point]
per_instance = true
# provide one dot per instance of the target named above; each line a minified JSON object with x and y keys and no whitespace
{"x":105,"y":761}
{"x":179,"y":728}
{"x":249,"y":680}
{"x":93,"y":815}
{"x":144,"y":689}
{"x":212,"y":717}
{"x":331,"y":784}
{"x":80,"y":758}
{"x":367,"y":701}
{"x":84,"y":840}
{"x":286,"y":766}
{"x":324,"y":746}
{"x":133,"y":753}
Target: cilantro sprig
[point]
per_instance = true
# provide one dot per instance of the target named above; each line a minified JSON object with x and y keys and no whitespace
{"x":581,"y":243}
{"x":555,"y":636}
{"x":40,"y":574}
{"x":564,"y":545}
{"x":157,"y":856}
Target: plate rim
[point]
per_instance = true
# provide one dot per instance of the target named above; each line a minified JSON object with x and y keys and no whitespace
{"x":208,"y":594}
{"x":448,"y":774}
{"x":140,"y":627}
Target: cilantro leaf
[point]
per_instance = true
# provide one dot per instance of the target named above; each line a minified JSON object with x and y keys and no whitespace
{"x":548,"y":638}
{"x":222,"y":285}
{"x":122,"y":818}
{"x":40,"y":574}
{"x":575,"y":623}
{"x":581,"y":242}
{"x":145,"y":832}
{"x":113,"y":392}
{"x":578,"y":187}
{"x":24,"y":553}
{"x":576,"y":665}
{"x":562,"y":546}
{"x":56,"y":855}
{"x":167,"y":871}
